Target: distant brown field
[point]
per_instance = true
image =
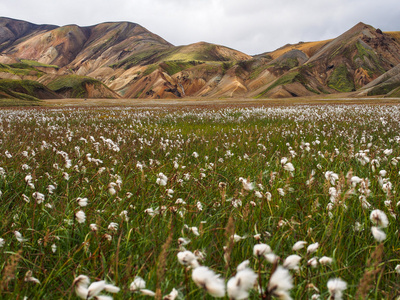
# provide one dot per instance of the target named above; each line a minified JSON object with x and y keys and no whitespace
{"x":331,"y":99}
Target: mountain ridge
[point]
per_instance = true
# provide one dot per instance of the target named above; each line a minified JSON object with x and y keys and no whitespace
{"x":136,"y":63}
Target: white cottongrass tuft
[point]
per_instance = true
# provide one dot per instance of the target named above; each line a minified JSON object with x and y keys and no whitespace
{"x":171,"y":296}
{"x":261,"y":250}
{"x":30,"y":278}
{"x":336,"y":286}
{"x":162,"y":179}
{"x":81,"y":284}
{"x":187,"y":258}
{"x":206,"y":279}
{"x":292,"y":262}
{"x":378,"y":234}
{"x":39,"y":197}
{"x":325,"y":260}
{"x":243,"y":265}
{"x":299,"y":245}
{"x":280,"y":283}
{"x":80,"y":216}
{"x":397,"y":269}
{"x":238,"y":286}
{"x":379,"y":218}
{"x":312,"y":248}
{"x":19,"y":237}
{"x":82,"y":202}
{"x":137,"y":284}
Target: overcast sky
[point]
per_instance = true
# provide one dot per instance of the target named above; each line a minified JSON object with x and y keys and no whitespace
{"x":251,"y":26}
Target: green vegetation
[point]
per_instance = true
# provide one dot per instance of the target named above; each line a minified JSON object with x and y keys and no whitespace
{"x":368,"y":54}
{"x":20,"y":69}
{"x":35,"y":63}
{"x":21,"y":89}
{"x":383,"y":89}
{"x":289,"y":63}
{"x":395,"y":93}
{"x":5,"y":102}
{"x":140,"y":58}
{"x":116,"y":193}
{"x":74,"y":85}
{"x":340,"y":79}
{"x":173,"y":67}
{"x":150,"y":69}
{"x":285,"y":79}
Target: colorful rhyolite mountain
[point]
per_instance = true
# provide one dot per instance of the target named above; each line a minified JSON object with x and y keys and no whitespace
{"x":113,"y":60}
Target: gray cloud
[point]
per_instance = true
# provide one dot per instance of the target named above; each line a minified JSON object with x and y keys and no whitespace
{"x":251,"y":26}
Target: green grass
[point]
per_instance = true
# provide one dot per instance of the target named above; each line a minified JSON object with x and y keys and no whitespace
{"x":20,"y":69}
{"x":284,"y":79}
{"x":73,"y":84}
{"x":173,"y":67}
{"x":35,"y":63}
{"x":18,"y":102}
{"x":130,"y":147}
{"x":341,"y":80}
{"x":21,"y":89}
{"x":383,"y":89}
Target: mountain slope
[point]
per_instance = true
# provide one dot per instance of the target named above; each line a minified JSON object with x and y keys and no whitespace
{"x":133,"y":62}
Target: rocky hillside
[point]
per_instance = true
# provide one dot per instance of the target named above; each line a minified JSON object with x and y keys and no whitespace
{"x":132,"y":62}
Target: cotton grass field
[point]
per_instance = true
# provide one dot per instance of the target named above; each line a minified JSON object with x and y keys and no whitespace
{"x":292,"y":202}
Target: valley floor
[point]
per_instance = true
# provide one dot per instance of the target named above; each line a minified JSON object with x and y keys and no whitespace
{"x":220,"y":102}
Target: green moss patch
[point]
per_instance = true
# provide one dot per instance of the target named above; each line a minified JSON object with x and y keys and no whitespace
{"x":34,"y":63}
{"x":285,"y":79}
{"x":385,"y":89}
{"x":24,"y":89}
{"x":173,"y":67}
{"x":341,"y":80}
{"x":20,"y":69}
{"x":73,"y":85}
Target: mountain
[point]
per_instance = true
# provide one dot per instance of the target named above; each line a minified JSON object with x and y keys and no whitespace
{"x":122,"y":59}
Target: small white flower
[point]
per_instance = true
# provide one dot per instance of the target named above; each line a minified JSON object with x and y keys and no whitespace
{"x":30,"y":278}
{"x":379,"y":218}
{"x":2,"y":242}
{"x":171,"y":296}
{"x":54,"y":248}
{"x":137,"y":284}
{"x":336,"y":286}
{"x":292,"y":262}
{"x":183,"y":241}
{"x":378,"y":234}
{"x":312,"y":248}
{"x":243,"y":265}
{"x":187,"y":258}
{"x":162,"y":179}
{"x":80,"y":216}
{"x":113,"y":226}
{"x":299,"y":245}
{"x":238,"y":286}
{"x":288,"y":167}
{"x":19,"y":237}
{"x":280,"y":283}
{"x":39,"y":197}
{"x":261,"y":250}
{"x":82,"y":202}
{"x":325,"y":260}
{"x":313,"y":262}
{"x":206,"y":279}
{"x":397,"y":269}
{"x":93,"y":227}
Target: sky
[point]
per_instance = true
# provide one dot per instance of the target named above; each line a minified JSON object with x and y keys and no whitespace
{"x":250,"y":26}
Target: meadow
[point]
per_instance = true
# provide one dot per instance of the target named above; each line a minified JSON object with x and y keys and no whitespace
{"x":291,"y":202}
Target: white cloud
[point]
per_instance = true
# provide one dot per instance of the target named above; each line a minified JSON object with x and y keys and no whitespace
{"x":251,"y":26}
